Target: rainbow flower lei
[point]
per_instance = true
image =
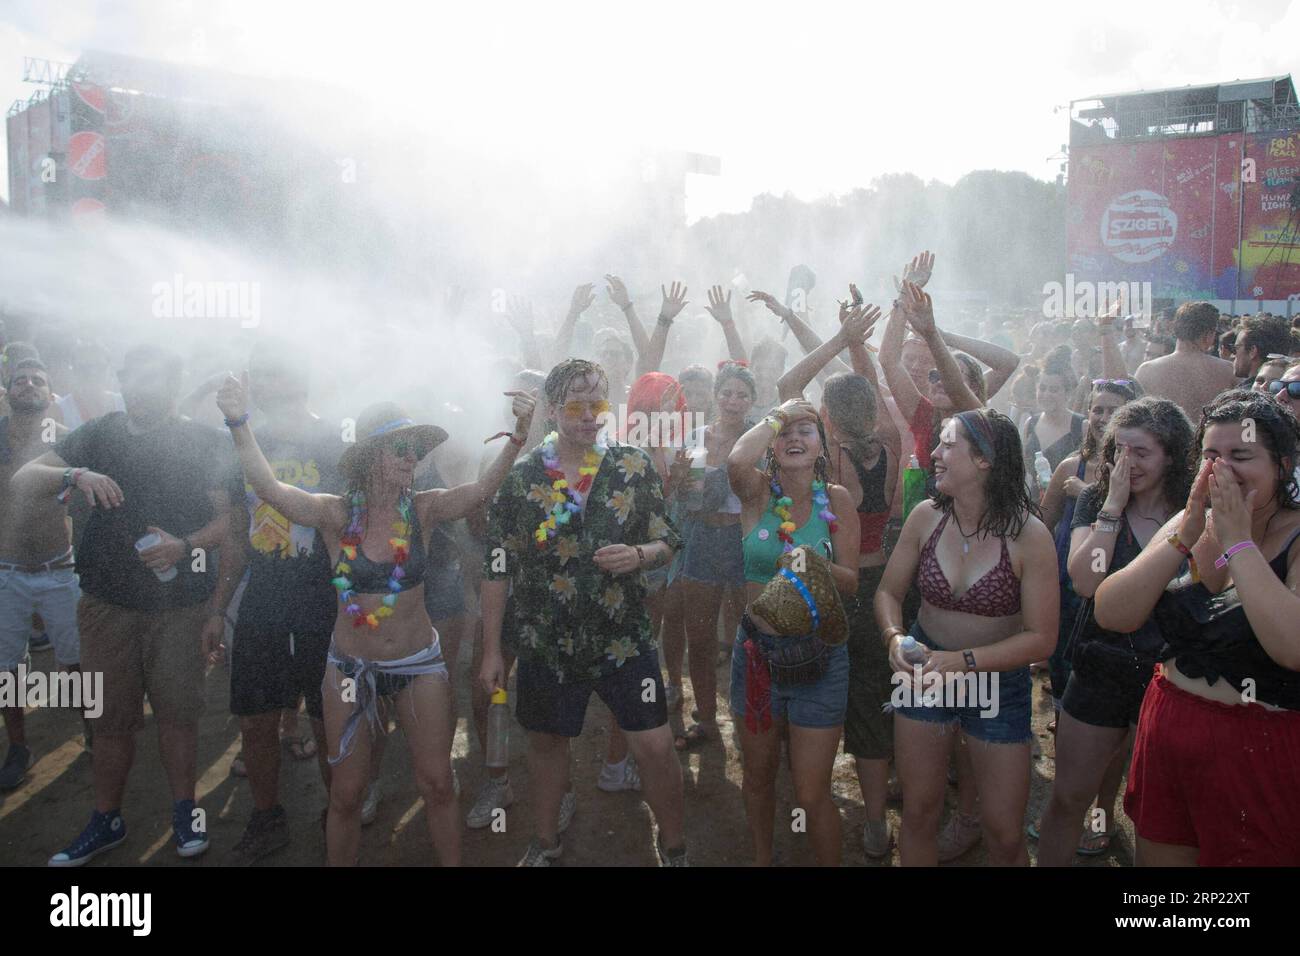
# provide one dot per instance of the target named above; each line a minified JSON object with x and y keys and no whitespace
{"x":564,"y":500}
{"x":781,"y":506}
{"x":351,"y":542}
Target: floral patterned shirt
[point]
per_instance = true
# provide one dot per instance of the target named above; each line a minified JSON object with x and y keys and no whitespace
{"x":578,"y":620}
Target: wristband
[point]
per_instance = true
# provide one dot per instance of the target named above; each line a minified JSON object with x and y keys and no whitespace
{"x":664,"y":321}
{"x":517,"y":441}
{"x":970,"y":659}
{"x":70,"y":478}
{"x":1177,"y":542}
{"x":774,"y":422}
{"x":892,"y":632}
{"x":640,"y":556}
{"x":236,"y":422}
{"x":1222,"y":561}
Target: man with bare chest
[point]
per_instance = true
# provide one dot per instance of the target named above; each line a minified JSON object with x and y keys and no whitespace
{"x":1189,"y":376}
{"x":36,"y":567}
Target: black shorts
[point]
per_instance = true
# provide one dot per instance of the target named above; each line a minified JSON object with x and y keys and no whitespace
{"x":868,"y":730}
{"x":1106,"y":685}
{"x":269,"y":671}
{"x":544,"y":705}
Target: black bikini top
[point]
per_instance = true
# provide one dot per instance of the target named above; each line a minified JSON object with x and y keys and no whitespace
{"x":371,"y":577}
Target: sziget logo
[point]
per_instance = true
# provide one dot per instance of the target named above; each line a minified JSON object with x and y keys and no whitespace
{"x":969,"y":689}
{"x":1138,"y":226}
{"x":81,"y":690}
{"x":655,"y":429}
{"x":74,"y":909}
{"x":179,"y":299}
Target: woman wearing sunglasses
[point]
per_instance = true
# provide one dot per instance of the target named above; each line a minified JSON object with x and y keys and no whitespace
{"x":1216,"y":762}
{"x":384,"y":643}
{"x":1286,"y":392}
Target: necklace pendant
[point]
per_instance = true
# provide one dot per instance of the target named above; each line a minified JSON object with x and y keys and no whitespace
{"x":965,"y":546}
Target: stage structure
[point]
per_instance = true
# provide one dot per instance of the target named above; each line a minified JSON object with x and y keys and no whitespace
{"x":1195,"y":190}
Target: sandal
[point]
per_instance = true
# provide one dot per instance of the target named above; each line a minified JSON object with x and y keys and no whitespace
{"x":302,"y":747}
{"x":697,"y":733}
{"x":1095,"y":844}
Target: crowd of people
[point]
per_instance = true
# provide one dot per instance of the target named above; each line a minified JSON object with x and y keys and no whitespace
{"x":884,"y":543}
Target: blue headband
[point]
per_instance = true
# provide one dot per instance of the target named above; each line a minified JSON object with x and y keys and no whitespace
{"x":390,"y":426}
{"x":975,"y":426}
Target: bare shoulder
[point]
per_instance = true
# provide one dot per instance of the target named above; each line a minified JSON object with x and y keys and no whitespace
{"x":1034,"y":536}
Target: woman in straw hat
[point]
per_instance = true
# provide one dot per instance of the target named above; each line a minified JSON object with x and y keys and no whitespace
{"x":792,"y":671}
{"x":383,"y":641}
{"x":985,"y":566}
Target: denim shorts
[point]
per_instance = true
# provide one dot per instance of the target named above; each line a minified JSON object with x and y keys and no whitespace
{"x":822,"y":703}
{"x":711,"y":555}
{"x":1013,"y":696}
{"x":53,"y":595}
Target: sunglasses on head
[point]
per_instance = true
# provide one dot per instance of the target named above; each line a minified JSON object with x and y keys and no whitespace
{"x":1292,"y":388}
{"x":577,"y":408}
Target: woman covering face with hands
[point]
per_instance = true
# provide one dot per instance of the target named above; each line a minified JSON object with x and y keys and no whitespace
{"x":1216,"y":761}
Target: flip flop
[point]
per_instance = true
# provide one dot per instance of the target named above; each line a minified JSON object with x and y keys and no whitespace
{"x":1087,"y":846}
{"x":302,"y":747}
{"x":698,"y":733}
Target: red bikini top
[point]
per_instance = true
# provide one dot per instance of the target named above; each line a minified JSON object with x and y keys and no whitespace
{"x":996,"y":594}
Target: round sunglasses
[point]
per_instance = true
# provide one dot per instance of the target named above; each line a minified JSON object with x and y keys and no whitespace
{"x":1292,"y":388}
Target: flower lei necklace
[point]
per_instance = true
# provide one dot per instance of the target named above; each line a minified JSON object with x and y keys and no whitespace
{"x":564,"y":500}
{"x":781,"y":506}
{"x":351,"y":543}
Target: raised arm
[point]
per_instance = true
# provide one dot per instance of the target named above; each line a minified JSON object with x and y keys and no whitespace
{"x":520,"y":316}
{"x":618,"y":295}
{"x":581,"y":301}
{"x":891,"y":363}
{"x":720,"y":309}
{"x":747,"y":481}
{"x":920,"y":315}
{"x":857,"y":324}
{"x":448,"y":504}
{"x":1002,"y":363}
{"x":653,"y":357}
{"x":808,"y":339}
{"x":1112,"y":359}
{"x":301,"y":507}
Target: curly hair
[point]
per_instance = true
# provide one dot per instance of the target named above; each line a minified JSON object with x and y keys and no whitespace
{"x":1090,"y":446}
{"x":1275,"y":426}
{"x":1169,"y":425}
{"x":1006,"y":492}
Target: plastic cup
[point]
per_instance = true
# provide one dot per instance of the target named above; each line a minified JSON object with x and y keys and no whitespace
{"x":148,"y":541}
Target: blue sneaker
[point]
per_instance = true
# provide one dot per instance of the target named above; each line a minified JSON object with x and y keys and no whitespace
{"x":190,"y":839}
{"x":102,"y":833}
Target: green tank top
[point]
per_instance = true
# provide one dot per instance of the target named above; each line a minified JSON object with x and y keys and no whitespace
{"x":763,"y":547}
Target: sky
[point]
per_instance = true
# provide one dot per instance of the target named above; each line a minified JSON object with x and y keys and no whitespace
{"x":811,"y":98}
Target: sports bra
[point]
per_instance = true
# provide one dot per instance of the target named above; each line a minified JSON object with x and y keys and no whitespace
{"x":371,"y":577}
{"x":873,"y":510}
{"x":762,"y":547}
{"x":996,"y":594}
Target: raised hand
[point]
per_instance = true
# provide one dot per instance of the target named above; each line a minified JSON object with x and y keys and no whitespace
{"x":582,"y":299}
{"x":773,"y":305}
{"x":856,"y":323}
{"x":917,"y":271}
{"x":1193,"y":524}
{"x":719,"y":307}
{"x":617,"y":291}
{"x":232,"y":398}
{"x":918,"y":308}
{"x":523,"y":406}
{"x":795,"y":410}
{"x":674,"y":301}
{"x":1231,"y":512}
{"x":1118,"y":491}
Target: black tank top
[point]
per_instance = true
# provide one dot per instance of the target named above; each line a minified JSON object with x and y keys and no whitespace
{"x":371,"y":577}
{"x":1207,"y":635}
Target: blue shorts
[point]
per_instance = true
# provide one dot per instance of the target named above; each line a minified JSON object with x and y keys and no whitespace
{"x":822,"y":703}
{"x":1012,"y":695}
{"x":710,"y":555}
{"x":544,"y":705}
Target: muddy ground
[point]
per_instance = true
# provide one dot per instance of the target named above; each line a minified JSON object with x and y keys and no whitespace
{"x":52,"y":806}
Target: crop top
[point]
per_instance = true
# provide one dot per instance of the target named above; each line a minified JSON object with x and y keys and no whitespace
{"x":371,"y":577}
{"x":873,"y":510}
{"x":996,"y":594}
{"x":1208,"y":635}
{"x":763,"y":547}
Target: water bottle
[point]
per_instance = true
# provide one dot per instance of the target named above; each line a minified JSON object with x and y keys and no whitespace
{"x":498,"y":731}
{"x":913,"y":651}
{"x":913,"y":486}
{"x":1042,"y":470}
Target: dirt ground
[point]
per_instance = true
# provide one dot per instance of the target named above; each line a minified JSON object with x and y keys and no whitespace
{"x":52,"y":805}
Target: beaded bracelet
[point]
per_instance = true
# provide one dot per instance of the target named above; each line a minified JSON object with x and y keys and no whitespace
{"x":236,"y":422}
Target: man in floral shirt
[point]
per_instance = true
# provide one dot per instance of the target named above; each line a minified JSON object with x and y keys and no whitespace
{"x":569,"y":533}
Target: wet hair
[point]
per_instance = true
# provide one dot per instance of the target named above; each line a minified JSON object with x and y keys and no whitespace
{"x":695,"y":373}
{"x":1195,"y":320}
{"x":740,"y":373}
{"x":851,"y":405}
{"x":1228,"y":340}
{"x":1057,"y":362}
{"x":1006,"y":492}
{"x":1090,"y":446}
{"x":1268,"y":334}
{"x":1275,"y":427}
{"x":1171,"y":428}
{"x":1166,"y":342}
{"x":820,"y":471}
{"x":14,"y":353}
{"x":974,"y":375}
{"x":562,"y":376}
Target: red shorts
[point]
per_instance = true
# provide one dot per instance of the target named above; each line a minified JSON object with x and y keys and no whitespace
{"x":1224,"y":778}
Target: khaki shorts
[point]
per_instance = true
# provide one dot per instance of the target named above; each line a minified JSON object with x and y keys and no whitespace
{"x":158,"y":653}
